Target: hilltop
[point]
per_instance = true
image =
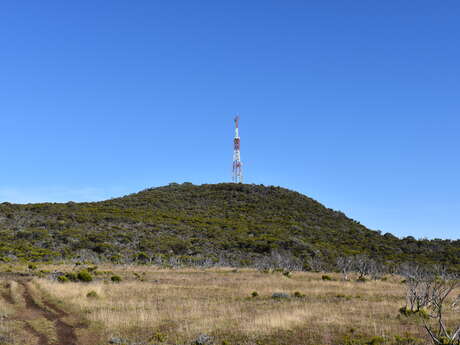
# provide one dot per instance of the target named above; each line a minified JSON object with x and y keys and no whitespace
{"x":232,"y":223}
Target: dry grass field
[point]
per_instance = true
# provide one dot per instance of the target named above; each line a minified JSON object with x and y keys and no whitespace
{"x":160,"y":306}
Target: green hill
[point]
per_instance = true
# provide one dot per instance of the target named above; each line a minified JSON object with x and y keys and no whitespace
{"x":232,"y":223}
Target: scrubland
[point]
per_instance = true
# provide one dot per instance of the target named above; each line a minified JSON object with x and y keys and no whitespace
{"x":226,"y":224}
{"x":151,"y":305}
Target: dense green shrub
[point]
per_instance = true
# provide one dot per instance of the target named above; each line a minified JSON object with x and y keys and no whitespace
{"x":140,"y":277}
{"x":408,"y":340}
{"x":361,"y":340}
{"x":159,"y":337}
{"x":287,"y":274}
{"x":254,"y":294}
{"x":115,"y":279}
{"x":142,"y":257}
{"x":62,"y":279}
{"x":84,"y":276}
{"x":421,"y":313}
{"x":92,"y":294}
{"x":326,"y":277}
{"x":298,"y":294}
{"x":71,"y":276}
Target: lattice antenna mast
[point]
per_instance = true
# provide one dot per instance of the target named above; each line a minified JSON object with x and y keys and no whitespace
{"x":237,"y":164}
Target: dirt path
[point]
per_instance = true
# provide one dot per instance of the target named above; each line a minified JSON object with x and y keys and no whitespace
{"x":25,"y":316}
{"x":65,"y":332}
{"x":32,"y":312}
{"x":42,"y":339}
{"x":8,"y":298}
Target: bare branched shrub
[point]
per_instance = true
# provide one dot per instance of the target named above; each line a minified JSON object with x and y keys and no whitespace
{"x":366,"y":266}
{"x":345,"y":265}
{"x":418,"y":281}
{"x":278,"y":260}
{"x":174,"y":262}
{"x":441,"y":288}
{"x":362,"y":264}
{"x":317,"y":263}
{"x":432,"y":290}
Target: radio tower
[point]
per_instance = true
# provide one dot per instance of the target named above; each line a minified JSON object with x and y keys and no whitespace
{"x":237,"y":165}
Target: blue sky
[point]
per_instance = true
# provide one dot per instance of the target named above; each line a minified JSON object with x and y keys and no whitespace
{"x":355,"y":103}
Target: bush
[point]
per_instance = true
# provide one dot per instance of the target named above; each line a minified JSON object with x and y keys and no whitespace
{"x":84,"y":276}
{"x":32,"y":267}
{"x":287,"y":274}
{"x":361,"y":280}
{"x":62,"y":279}
{"x":343,"y":296}
{"x":405,"y":311}
{"x":297,"y":294}
{"x":140,"y":277}
{"x":159,"y":337}
{"x":92,"y":294}
{"x":361,"y":340}
{"x":377,"y":340}
{"x":408,"y":340}
{"x":254,"y":294}
{"x":71,"y":276}
{"x":421,"y":313}
{"x":142,"y":257}
{"x":326,"y":277}
{"x":115,"y":279}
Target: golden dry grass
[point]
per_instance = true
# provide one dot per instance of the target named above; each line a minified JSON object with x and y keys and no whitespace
{"x":184,"y":303}
{"x":174,"y":306}
{"x":12,"y":328}
{"x":6,"y":310}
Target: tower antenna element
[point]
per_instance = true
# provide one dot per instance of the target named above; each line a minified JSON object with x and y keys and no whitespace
{"x":237,"y":164}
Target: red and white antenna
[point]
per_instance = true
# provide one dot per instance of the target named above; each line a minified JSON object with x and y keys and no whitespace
{"x":237,"y":164}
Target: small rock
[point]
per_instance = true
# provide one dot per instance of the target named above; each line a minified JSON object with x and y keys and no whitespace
{"x":116,"y":341}
{"x":56,"y":274}
{"x":280,"y":295}
{"x":4,"y":340}
{"x":203,"y":339}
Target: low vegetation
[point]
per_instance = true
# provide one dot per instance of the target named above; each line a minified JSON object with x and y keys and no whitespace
{"x":228,"y":306}
{"x":209,"y":225}
{"x":219,"y":264}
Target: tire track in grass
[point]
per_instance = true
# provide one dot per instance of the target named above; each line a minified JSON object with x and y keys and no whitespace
{"x":65,"y":332}
{"x":24,"y":317}
{"x":42,"y":338}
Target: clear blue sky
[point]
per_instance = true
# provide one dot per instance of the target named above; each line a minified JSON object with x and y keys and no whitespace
{"x":354,"y":103}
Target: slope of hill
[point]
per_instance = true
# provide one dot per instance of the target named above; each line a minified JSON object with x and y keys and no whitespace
{"x":232,"y":222}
